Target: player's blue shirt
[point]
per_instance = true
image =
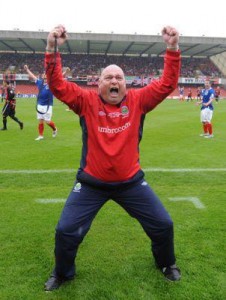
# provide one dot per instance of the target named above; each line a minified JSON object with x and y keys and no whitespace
{"x":181,"y":91}
{"x":207,"y":94}
{"x":45,"y":96}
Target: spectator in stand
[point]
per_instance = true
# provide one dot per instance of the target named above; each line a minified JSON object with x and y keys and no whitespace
{"x":217,"y":93}
{"x":44,"y":104}
{"x":111,"y":121}
{"x":9,"y":108}
{"x":208,"y":95}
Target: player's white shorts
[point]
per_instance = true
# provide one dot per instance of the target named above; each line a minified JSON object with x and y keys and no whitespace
{"x":206,"y":115}
{"x":44,"y":112}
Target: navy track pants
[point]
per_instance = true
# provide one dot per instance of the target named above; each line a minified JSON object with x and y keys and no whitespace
{"x":83,"y":204}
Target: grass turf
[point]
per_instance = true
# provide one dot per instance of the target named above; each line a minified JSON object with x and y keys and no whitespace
{"x":114,"y":261}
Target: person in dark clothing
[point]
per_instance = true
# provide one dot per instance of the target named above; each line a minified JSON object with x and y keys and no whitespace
{"x":9,"y":108}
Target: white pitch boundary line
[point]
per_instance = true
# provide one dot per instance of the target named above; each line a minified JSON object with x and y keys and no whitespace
{"x":36,"y":171}
{"x":185,"y":170}
{"x":145,"y":170}
{"x":46,"y":201}
{"x":197,"y":203}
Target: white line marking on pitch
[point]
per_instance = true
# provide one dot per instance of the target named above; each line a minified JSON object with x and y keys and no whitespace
{"x":46,"y":201}
{"x":36,"y":171}
{"x":197,"y":203}
{"x":185,"y":170}
{"x":145,"y":170}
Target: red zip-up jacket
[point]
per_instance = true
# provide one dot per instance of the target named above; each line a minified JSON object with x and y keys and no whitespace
{"x":111,"y":134}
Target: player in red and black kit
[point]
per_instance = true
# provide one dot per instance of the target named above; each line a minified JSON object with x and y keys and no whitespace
{"x":198,"y":93}
{"x":9,"y":108}
{"x":112,"y":124}
{"x":217,"y":93}
{"x":189,"y":98}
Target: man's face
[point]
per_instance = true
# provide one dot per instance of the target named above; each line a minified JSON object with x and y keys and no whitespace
{"x":112,"y":84}
{"x":207,"y":84}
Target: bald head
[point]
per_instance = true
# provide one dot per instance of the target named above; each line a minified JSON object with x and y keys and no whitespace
{"x":113,"y":68}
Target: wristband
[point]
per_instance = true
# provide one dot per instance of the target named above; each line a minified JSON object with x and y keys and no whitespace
{"x":51,"y":50}
{"x":174,"y":48}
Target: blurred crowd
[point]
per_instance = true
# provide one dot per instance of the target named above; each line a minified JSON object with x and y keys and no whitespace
{"x":82,"y":65}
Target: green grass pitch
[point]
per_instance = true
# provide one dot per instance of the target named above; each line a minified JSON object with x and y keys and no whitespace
{"x":114,"y":261}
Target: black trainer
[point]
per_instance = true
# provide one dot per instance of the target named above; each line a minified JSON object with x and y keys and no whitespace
{"x":53,"y":283}
{"x":171,"y":273}
{"x":3,"y":128}
{"x":21,"y":125}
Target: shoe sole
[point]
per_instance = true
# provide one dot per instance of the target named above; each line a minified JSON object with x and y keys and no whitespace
{"x":55,"y":134}
{"x":169,"y":280}
{"x":64,"y":282}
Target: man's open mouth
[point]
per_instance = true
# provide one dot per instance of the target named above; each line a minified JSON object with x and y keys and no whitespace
{"x":114,"y":91}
